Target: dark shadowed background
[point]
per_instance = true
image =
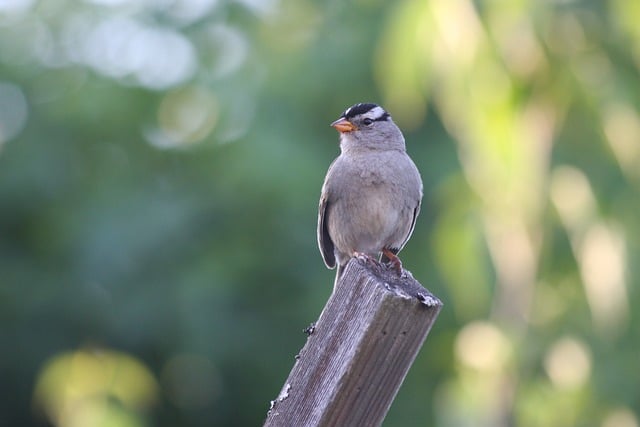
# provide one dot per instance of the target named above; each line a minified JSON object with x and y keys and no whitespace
{"x":160,"y":167}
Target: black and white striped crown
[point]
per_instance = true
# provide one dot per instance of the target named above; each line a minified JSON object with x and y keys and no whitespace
{"x":366,"y":110}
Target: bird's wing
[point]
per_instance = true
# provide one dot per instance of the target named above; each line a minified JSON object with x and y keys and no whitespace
{"x":416,"y":211}
{"x":324,"y":240}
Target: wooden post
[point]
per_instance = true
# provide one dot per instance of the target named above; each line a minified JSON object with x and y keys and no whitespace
{"x":358,"y":352}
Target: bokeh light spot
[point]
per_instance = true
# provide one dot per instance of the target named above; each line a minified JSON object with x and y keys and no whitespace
{"x":568,"y":363}
{"x":602,"y":267}
{"x":481,"y":345}
{"x":622,"y":129}
{"x":621,"y":417}
{"x":185,"y":116}
{"x":15,"y":6}
{"x":572,"y":195}
{"x":82,"y":385}
{"x":110,"y":3}
{"x":157,"y":58}
{"x":228,"y":49}
{"x":187,"y":11}
{"x":100,"y":413}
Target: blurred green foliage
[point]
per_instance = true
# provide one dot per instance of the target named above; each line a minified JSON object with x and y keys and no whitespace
{"x":160,"y":165}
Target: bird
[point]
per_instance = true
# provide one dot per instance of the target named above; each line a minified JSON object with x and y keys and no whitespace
{"x":371,"y":195}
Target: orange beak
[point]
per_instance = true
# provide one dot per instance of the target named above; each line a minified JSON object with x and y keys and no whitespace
{"x":343,"y":125}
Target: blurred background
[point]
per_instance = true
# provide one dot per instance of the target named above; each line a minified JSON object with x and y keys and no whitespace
{"x":160,"y":168}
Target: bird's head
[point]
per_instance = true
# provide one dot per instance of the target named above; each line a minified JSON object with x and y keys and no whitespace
{"x":368,"y":126}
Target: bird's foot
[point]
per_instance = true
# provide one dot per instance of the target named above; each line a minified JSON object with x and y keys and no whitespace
{"x":394,"y":261}
{"x":366,"y":259}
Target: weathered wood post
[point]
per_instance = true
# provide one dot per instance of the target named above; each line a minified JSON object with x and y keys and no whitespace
{"x":359,"y":351}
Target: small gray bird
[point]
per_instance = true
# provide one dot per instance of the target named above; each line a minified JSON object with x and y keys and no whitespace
{"x":371,"y":195}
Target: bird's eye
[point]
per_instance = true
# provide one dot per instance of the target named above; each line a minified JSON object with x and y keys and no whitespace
{"x":367,"y":121}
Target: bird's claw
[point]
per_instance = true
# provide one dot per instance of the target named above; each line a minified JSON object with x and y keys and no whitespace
{"x":366,"y":259}
{"x":369,"y":261}
{"x":394,"y":261}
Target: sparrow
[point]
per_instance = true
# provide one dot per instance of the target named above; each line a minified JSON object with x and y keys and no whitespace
{"x":371,"y":195}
